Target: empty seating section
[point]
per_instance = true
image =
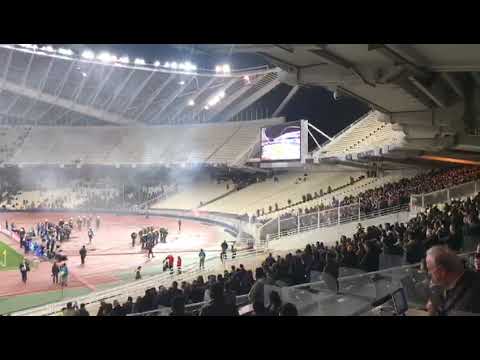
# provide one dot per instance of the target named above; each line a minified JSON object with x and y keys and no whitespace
{"x":243,"y":139}
{"x":189,"y":196}
{"x":264,"y":194}
{"x":11,"y":139}
{"x":212,"y":143}
{"x":366,"y":134}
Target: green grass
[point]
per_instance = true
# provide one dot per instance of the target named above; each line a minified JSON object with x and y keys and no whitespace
{"x":9,"y":258}
{"x":20,"y":302}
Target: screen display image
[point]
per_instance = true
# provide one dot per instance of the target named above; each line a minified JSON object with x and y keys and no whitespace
{"x":281,"y":142}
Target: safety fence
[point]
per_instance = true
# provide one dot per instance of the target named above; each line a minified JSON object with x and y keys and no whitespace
{"x":419,"y":202}
{"x":278,"y":227}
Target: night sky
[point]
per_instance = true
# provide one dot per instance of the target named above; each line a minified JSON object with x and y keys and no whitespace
{"x":312,"y":103}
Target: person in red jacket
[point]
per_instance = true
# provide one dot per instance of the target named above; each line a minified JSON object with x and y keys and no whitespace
{"x":179,"y":264}
{"x":170,"y":261}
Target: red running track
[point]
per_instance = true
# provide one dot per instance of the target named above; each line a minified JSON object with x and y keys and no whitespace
{"x":110,"y":251}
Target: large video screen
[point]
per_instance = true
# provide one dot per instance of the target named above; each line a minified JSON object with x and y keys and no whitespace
{"x":281,"y":142}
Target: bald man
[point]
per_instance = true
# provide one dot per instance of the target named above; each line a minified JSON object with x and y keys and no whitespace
{"x":461,"y":287}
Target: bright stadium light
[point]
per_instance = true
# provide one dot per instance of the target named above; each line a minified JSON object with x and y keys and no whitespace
{"x":181,"y":82}
{"x":174,"y":65}
{"x":218,"y":69}
{"x":139,"y":61}
{"x":226,"y":68}
{"x":88,"y":54}
{"x":166,"y":65}
{"x":124,"y":60}
{"x":156,"y":63}
{"x":66,"y":52}
{"x":191,"y":102}
{"x":106,"y":57}
{"x":47,"y":48}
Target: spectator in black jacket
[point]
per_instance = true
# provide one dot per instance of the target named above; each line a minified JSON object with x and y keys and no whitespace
{"x":82,"y":311}
{"x":218,"y":306}
{"x":462,"y":286}
{"x":370,"y":261}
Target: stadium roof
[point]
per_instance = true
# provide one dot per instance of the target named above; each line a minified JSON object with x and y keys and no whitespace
{"x":55,"y":86}
{"x":390,"y":77}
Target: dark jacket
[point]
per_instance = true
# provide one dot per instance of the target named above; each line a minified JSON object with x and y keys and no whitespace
{"x":219,"y":309}
{"x":464,"y":297}
{"x":82,"y":312}
{"x":370,"y":261}
{"x":415,"y":252}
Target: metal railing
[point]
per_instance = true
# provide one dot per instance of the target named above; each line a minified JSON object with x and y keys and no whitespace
{"x":418,"y":202}
{"x":325,"y":218}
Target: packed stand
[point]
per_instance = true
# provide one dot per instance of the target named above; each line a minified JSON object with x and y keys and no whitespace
{"x":387,"y":196}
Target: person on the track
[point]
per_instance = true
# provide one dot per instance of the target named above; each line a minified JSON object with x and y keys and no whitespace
{"x":55,"y":271}
{"x":150,"y":249}
{"x":170,"y":260}
{"x":90,"y":235}
{"x":202,"y":256}
{"x":179,"y":225}
{"x":234,"y":251}
{"x":24,"y":269}
{"x":138,"y":275}
{"x":223,"y":254}
{"x":63,"y":275}
{"x":134,"y":237}
{"x":179,"y":265}
{"x":83,"y":254}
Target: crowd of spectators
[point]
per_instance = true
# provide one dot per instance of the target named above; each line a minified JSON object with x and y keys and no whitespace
{"x":450,"y":225}
{"x":389,"y":195}
{"x":218,"y":295}
{"x":457,"y":226}
{"x":305,"y":197}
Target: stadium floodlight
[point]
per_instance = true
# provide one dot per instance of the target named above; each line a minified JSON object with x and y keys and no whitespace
{"x":166,"y":65}
{"x":218,"y":69}
{"x":188,"y":66}
{"x":226,"y":68}
{"x":139,"y":61}
{"x":156,"y":63}
{"x":181,"y":66}
{"x":106,"y":57}
{"x":124,"y":60}
{"x":66,"y":52}
{"x":47,"y":48}
{"x":174,"y":65}
{"x":191,"y":102}
{"x":88,"y":54}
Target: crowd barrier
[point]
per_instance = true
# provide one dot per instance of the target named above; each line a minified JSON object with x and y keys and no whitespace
{"x":418,"y":202}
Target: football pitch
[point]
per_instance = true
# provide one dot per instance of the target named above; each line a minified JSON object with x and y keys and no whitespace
{"x":9,"y":258}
